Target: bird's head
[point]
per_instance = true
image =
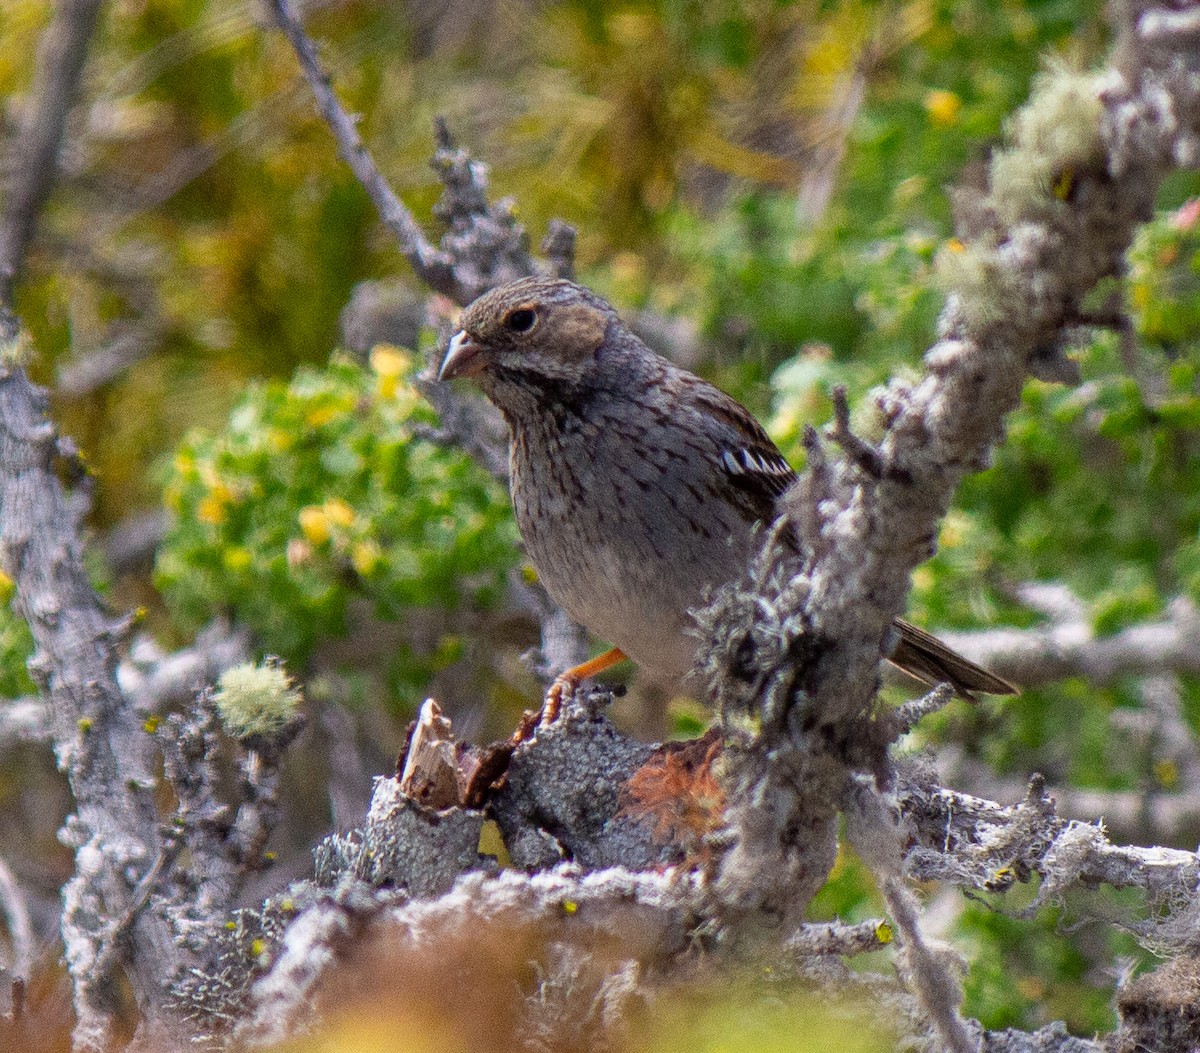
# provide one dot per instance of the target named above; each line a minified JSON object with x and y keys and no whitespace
{"x":536,"y":334}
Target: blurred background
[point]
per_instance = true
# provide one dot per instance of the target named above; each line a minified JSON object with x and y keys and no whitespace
{"x":762,"y":187}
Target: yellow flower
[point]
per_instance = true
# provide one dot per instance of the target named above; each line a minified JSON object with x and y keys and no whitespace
{"x":280,"y":440}
{"x":211,"y":510}
{"x":391,"y":364}
{"x":942,"y":106}
{"x":237,"y":558}
{"x":7,"y":587}
{"x":390,"y":361}
{"x":954,"y":529}
{"x":314,"y":524}
{"x":320,"y":415}
{"x":338,"y":512}
{"x":365,"y":557}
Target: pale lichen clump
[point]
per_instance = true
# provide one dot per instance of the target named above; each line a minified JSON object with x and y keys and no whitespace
{"x":1053,"y":137}
{"x":256,"y":700}
{"x":1053,"y":140}
{"x":16,"y":349}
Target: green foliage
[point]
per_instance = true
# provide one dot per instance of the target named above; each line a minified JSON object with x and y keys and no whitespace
{"x":16,"y":645}
{"x":1028,"y":972}
{"x":318,"y":492}
{"x":764,"y":1017}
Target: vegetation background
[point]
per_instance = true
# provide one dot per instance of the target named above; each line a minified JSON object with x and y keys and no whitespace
{"x":231,"y":339}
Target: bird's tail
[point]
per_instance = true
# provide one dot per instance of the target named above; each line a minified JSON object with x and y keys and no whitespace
{"x":932,"y":662}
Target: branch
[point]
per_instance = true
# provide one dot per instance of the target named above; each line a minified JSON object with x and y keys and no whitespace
{"x":1068,"y":647}
{"x":982,"y":845}
{"x":431,"y":264}
{"x":99,"y":739}
{"x":610,"y":905}
{"x":1134,"y":816}
{"x":799,"y":643}
{"x":20,"y":926}
{"x":60,"y":59}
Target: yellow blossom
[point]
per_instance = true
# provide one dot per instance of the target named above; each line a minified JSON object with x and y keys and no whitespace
{"x":279,"y":440}
{"x":339,"y":513}
{"x":942,"y":106}
{"x":365,"y":557}
{"x":390,"y":361}
{"x":954,"y":529}
{"x":319,"y":415}
{"x":211,"y":510}
{"x":391,"y":364}
{"x":314,"y":524}
{"x":237,"y":558}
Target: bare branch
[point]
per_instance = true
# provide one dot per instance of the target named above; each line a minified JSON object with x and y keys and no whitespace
{"x":1068,"y":646}
{"x":431,"y":264}
{"x":20,"y":927}
{"x":99,"y":739}
{"x":935,"y":987}
{"x":979,"y":844}
{"x":839,"y":937}
{"x":610,"y":900}
{"x":60,"y":60}
{"x":815,"y":654}
{"x":861,"y":452}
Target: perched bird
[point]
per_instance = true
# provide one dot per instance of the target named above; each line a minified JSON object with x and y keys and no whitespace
{"x":636,"y":484}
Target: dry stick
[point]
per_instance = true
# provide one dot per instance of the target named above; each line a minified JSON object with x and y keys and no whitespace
{"x":61,"y":55}
{"x":20,"y":927}
{"x":99,"y":741}
{"x":932,"y":983}
{"x":462,"y":420}
{"x":431,"y":264}
{"x":1068,"y":646}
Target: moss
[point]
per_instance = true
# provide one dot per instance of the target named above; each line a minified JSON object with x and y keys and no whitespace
{"x":256,"y":699}
{"x":1056,"y":134}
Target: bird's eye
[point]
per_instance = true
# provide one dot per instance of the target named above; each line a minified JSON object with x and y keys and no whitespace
{"x":521,"y":320}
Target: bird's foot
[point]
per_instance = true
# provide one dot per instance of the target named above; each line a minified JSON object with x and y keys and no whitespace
{"x":563,"y":689}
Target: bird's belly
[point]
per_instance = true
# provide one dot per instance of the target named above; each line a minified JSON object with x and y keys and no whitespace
{"x":631,"y":579}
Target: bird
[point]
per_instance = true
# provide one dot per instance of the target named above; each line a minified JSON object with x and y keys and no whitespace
{"x":638,"y":487}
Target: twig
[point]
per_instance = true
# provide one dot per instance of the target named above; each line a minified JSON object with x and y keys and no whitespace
{"x":431,"y":264}
{"x":980,"y":844}
{"x":911,"y":713}
{"x":839,"y":937}
{"x":61,"y":55}
{"x":1068,"y":647}
{"x":861,"y":452}
{"x":20,"y":927}
{"x":932,"y":982}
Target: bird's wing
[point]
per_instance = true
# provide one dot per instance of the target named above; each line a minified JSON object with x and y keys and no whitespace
{"x":752,"y":464}
{"x":759,"y":475}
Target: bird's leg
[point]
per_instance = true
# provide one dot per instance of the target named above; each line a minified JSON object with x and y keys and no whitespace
{"x":566,"y":683}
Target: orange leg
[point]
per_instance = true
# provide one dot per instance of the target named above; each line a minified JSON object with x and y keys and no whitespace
{"x":566,"y":683}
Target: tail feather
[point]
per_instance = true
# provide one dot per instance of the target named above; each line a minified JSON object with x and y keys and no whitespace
{"x":925,"y":657}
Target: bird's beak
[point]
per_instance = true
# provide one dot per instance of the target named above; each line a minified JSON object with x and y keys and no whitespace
{"x":464,"y":358}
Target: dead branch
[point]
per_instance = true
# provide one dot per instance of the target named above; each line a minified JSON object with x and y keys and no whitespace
{"x":61,"y":55}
